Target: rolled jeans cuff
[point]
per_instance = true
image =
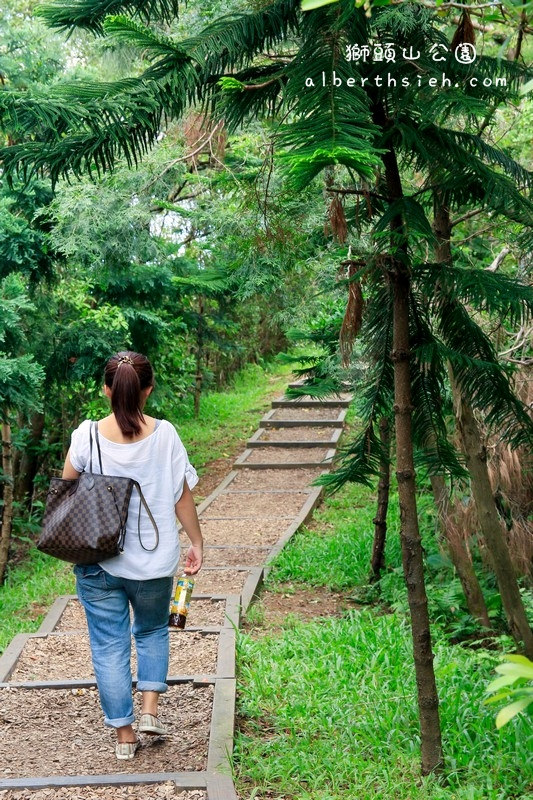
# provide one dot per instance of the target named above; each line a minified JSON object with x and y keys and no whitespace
{"x":119,"y":723}
{"x":151,"y":686}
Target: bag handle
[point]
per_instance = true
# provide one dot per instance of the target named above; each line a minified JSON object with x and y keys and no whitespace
{"x":151,"y":518}
{"x":94,"y":426}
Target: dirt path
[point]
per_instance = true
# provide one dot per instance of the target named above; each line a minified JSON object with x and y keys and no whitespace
{"x":51,"y":734}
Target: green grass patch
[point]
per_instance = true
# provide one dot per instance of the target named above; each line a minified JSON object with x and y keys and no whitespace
{"x":329,"y":709}
{"x":28,"y":592}
{"x":334,"y":550}
{"x":226,"y":420}
{"x":329,"y":713}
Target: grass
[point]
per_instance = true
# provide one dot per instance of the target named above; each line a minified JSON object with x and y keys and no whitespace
{"x":328,"y":709}
{"x":226,"y":420}
{"x":329,"y":713}
{"x":28,"y":592}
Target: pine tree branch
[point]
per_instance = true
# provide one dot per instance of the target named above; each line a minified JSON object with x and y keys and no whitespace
{"x":468,"y":215}
{"x":471,"y":9}
{"x":359,"y":192}
{"x":195,"y":152}
{"x":498,"y":260}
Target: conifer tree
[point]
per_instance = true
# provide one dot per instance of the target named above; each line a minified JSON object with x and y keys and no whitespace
{"x":329,"y":112}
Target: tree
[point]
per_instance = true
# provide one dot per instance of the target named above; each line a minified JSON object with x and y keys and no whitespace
{"x":20,"y":382}
{"x":361,"y":126}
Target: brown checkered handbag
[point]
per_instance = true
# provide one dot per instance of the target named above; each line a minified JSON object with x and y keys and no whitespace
{"x":85,"y":519}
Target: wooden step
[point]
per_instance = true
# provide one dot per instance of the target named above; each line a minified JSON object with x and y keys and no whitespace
{"x":342,"y":400}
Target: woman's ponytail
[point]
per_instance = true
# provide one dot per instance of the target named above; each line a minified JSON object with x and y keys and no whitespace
{"x":127,"y":374}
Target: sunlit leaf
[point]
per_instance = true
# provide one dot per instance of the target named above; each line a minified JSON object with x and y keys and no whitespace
{"x":510,"y":711}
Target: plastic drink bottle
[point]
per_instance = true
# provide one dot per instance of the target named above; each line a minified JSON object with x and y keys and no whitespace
{"x":182,"y":600}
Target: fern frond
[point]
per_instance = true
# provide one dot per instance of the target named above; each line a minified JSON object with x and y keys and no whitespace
{"x":484,"y":380}
{"x":491,"y":292}
{"x":155,"y":45}
{"x":89,"y":14}
{"x":356,"y":462}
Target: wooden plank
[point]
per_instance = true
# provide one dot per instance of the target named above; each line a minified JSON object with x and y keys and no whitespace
{"x":241,"y":546}
{"x":287,"y":403}
{"x":233,"y":611}
{"x":243,"y":456}
{"x":228,"y":567}
{"x":336,"y":422}
{"x":11,"y":654}
{"x":222,"y":725}
{"x":304,"y":490}
{"x":183,"y":780}
{"x":259,"y":432}
{"x":226,"y":653}
{"x":172,"y":680}
{"x":251,"y":587}
{"x":291,"y":443}
{"x":276,"y":465}
{"x":55,"y":613}
{"x":269,"y":516}
{"x":220,"y":787}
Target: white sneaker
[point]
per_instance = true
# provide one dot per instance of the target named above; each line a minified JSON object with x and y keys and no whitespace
{"x":126,"y":750}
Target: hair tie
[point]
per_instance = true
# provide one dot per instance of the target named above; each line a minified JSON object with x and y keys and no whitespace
{"x":126,"y":360}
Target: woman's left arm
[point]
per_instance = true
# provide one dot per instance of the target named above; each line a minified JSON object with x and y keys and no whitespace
{"x":69,"y":473}
{"x":186,"y":513}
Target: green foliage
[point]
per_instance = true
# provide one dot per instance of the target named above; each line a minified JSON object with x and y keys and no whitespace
{"x":89,"y":15}
{"x":23,"y":245}
{"x":325,"y":706}
{"x":29,"y":590}
{"x":29,"y":53}
{"x":515,"y":684}
{"x":20,"y":376}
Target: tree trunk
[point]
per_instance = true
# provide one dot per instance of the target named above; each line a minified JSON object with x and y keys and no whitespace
{"x":412,"y":552}
{"x":7,"y":511}
{"x":442,"y":226}
{"x":476,"y":462}
{"x":26,"y":466}
{"x":489,"y":521}
{"x":459,"y":553}
{"x":380,"y":520}
{"x":199,"y":357}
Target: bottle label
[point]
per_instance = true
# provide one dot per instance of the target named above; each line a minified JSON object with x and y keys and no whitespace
{"x":182,"y":596}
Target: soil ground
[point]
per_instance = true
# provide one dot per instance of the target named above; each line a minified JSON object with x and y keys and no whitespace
{"x":64,"y":734}
{"x":157,"y":791}
{"x":305,"y":603}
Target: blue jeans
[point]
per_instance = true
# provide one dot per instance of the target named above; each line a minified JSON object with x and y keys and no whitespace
{"x":106,"y":600}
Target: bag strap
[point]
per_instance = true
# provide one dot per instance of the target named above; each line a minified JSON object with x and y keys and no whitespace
{"x":98,"y":446}
{"x":135,"y":483}
{"x":151,"y":518}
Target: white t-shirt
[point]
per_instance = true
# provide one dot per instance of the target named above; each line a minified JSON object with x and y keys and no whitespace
{"x":160,"y":464}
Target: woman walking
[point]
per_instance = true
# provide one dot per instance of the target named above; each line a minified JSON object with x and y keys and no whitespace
{"x":137,"y":446}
